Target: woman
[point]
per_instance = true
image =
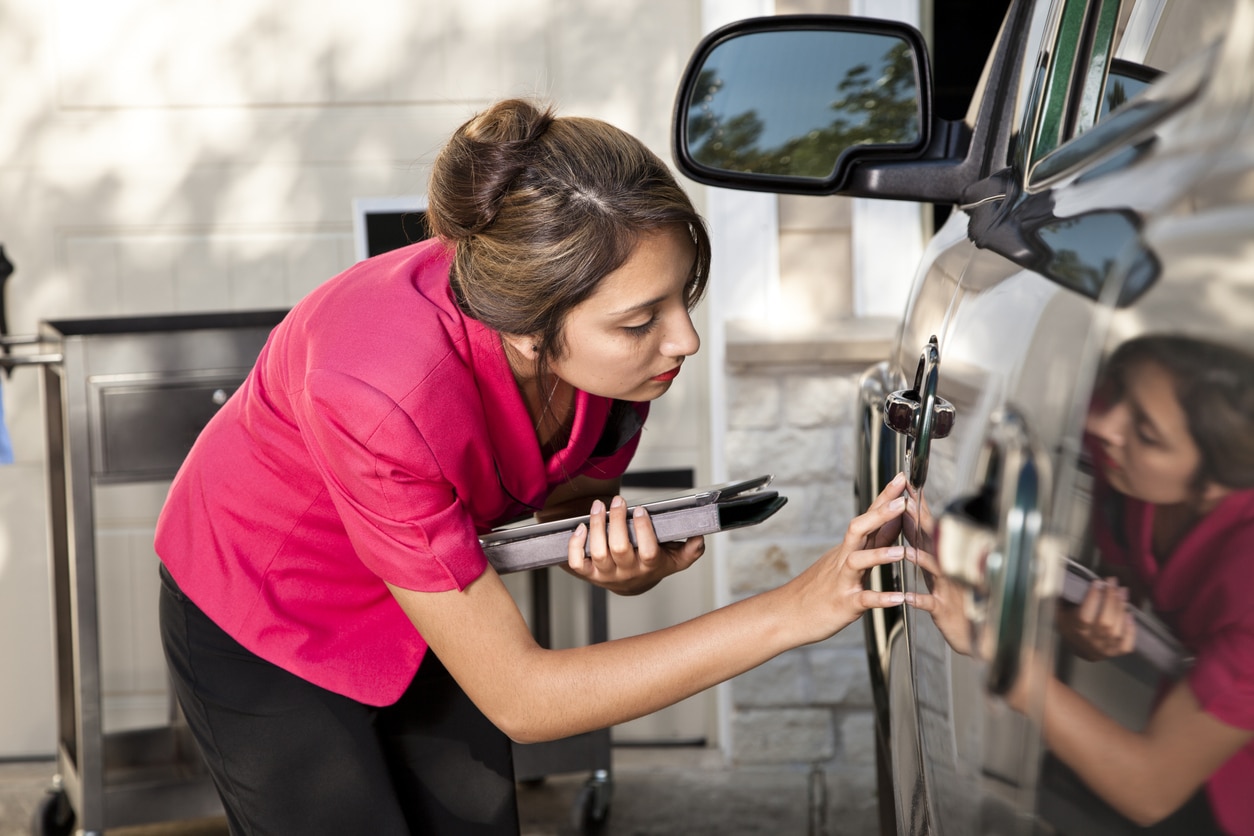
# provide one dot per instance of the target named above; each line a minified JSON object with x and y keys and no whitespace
{"x":347,"y":660}
{"x":1172,"y":430}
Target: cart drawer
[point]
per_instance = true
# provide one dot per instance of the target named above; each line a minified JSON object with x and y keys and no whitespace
{"x":143,"y":429}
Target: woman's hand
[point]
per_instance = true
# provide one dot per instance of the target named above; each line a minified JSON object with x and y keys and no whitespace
{"x":830,"y":591}
{"x":601,"y":552}
{"x":945,"y":601}
{"x":1102,"y":626}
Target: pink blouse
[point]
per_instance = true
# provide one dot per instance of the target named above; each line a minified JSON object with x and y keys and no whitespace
{"x":1202,"y":591}
{"x":379,"y":433}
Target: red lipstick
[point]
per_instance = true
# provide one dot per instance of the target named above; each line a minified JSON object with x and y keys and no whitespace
{"x":666,"y":377}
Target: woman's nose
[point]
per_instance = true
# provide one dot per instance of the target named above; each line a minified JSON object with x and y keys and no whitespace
{"x":681,"y":339}
{"x":1108,"y":424}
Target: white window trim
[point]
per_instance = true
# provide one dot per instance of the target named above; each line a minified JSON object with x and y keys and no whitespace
{"x":744,"y":244}
{"x":888,"y":236}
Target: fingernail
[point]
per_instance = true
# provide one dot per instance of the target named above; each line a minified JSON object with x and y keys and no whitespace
{"x":897,"y":504}
{"x":896,"y":552}
{"x":616,"y":502}
{"x":598,"y":507}
{"x":581,"y":530}
{"x":896,"y":597}
{"x":910,"y":598}
{"x":899,"y":478}
{"x":638,"y":512}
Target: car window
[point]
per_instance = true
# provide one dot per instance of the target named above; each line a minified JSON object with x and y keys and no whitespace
{"x":1100,"y":55}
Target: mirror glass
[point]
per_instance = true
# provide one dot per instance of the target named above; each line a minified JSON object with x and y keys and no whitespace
{"x":792,"y":102}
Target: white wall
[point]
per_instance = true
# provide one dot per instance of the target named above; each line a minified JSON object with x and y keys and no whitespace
{"x":168,"y":156}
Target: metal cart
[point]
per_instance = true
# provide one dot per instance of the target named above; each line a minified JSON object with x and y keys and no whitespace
{"x":590,"y":751}
{"x":124,"y":399}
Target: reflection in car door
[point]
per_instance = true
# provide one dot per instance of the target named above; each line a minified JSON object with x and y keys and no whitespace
{"x":1055,"y":241}
{"x":985,"y":312}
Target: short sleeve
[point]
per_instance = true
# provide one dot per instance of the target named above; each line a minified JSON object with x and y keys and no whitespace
{"x":401,"y":513}
{"x":1223,"y":676}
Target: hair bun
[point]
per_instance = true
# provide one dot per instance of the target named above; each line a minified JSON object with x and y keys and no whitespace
{"x":475,"y":170}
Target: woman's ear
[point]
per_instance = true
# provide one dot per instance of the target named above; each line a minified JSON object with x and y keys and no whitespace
{"x":525,"y":346}
{"x":1212,"y":494}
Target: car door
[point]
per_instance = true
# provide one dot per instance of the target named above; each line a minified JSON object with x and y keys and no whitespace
{"x":1079,"y":137}
{"x":1056,"y":241}
{"x":1179,"y":286}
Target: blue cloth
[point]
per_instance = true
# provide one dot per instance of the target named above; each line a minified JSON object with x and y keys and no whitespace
{"x":6,"y":445}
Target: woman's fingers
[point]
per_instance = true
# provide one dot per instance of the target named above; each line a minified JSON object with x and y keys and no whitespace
{"x":605,"y":553}
{"x":647,"y":547}
{"x":1112,"y":618}
{"x":926,"y":561}
{"x":1091,"y":607}
{"x":923,"y":601}
{"x":864,"y":526}
{"x":864,"y":559}
{"x":1104,"y":618}
{"x":621,"y":552}
{"x":576,"y":554}
{"x":891,"y":491}
{"x":609,"y":544}
{"x":870,"y":599}
{"x":598,"y":549}
{"x":686,"y":553}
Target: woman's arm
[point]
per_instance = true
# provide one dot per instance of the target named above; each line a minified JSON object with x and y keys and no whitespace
{"x":1145,"y":775}
{"x":535,"y":694}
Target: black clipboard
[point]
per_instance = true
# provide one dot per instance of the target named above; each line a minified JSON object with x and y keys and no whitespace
{"x":707,"y":510}
{"x":1154,"y":642}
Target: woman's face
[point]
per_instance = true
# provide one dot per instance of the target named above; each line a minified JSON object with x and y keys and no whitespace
{"x":628,"y":339}
{"x":1146,"y":450}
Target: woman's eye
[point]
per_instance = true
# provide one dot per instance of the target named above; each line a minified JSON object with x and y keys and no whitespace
{"x":642,"y":329}
{"x":1146,"y":437}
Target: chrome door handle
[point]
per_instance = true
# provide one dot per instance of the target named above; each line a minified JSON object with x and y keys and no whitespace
{"x":987,"y":543}
{"x":920,"y":414}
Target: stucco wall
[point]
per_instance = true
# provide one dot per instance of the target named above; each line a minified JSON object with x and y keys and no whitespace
{"x":161,"y":157}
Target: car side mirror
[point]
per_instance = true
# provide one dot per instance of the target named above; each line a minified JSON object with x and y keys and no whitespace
{"x":791,"y":103}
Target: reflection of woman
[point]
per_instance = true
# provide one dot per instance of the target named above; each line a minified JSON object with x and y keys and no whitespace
{"x":1173,"y":434}
{"x":345,"y":656}
{"x":1173,"y":427}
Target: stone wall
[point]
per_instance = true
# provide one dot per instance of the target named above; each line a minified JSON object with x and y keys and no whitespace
{"x":791,"y":413}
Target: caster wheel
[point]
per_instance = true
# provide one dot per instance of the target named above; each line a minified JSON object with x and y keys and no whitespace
{"x":53,"y":815}
{"x":591,"y":810}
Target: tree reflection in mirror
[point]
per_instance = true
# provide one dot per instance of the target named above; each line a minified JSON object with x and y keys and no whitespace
{"x":791,"y":103}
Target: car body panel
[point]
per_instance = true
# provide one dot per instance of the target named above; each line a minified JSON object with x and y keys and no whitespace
{"x":1079,"y":226}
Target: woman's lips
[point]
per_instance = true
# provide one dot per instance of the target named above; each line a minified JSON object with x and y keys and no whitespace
{"x":666,"y":377}
{"x":1106,"y":462}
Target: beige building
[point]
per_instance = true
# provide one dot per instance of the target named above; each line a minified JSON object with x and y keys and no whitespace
{"x":174,"y":157}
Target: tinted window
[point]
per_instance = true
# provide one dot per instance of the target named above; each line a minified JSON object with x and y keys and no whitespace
{"x":1099,"y":56}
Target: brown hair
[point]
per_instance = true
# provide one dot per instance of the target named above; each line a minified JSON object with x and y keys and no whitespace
{"x":1215,"y":387}
{"x":540,"y":208}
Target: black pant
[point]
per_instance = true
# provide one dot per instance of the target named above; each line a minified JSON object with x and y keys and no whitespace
{"x":288,"y":757}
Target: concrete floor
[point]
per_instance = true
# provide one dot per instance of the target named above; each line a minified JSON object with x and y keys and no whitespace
{"x":656,"y":792}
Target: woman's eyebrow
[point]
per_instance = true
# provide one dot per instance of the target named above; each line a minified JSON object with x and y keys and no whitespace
{"x":639,"y":306}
